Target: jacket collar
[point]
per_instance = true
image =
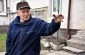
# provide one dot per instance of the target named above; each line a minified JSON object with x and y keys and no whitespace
{"x":27,"y":22}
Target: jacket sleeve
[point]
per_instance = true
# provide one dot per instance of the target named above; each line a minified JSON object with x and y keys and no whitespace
{"x":49,"y":28}
{"x":8,"y":41}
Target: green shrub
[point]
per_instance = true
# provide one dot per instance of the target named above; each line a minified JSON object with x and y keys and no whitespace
{"x":2,"y":42}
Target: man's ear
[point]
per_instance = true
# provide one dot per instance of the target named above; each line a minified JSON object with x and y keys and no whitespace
{"x":17,"y":12}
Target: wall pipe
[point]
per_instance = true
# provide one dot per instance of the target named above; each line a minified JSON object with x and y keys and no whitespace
{"x":68,"y":20}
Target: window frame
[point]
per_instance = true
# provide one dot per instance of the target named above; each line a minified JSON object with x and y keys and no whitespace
{"x":3,"y":13}
{"x":58,"y":9}
{"x":1,"y":5}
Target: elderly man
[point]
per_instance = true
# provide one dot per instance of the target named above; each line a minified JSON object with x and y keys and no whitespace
{"x":24,"y":32}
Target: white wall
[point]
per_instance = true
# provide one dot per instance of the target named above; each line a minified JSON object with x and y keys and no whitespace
{"x":12,"y":4}
{"x":38,"y":3}
{"x":65,"y":13}
{"x":78,"y":14}
{"x":4,"y":21}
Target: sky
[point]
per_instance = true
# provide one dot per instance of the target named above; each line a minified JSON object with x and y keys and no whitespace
{"x":38,"y":3}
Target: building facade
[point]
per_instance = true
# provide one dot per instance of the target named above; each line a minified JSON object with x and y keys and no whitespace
{"x":73,"y":11}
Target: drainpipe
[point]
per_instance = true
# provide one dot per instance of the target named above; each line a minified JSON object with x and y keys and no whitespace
{"x":68,"y":22}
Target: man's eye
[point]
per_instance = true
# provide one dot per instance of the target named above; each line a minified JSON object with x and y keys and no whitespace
{"x":23,"y":12}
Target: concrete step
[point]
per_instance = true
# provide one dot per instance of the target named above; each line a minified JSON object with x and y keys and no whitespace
{"x":52,"y":45}
{"x":74,"y":50}
{"x":80,"y":44}
{"x":81,"y":32}
{"x":78,"y":37}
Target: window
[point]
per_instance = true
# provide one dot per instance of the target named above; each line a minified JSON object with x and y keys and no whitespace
{"x":2,"y":7}
{"x":55,"y":6}
{"x":40,"y":13}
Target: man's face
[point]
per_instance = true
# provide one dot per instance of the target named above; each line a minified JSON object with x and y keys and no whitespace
{"x":24,"y":13}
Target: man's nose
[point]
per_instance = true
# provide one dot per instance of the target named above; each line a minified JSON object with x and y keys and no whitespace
{"x":26,"y":13}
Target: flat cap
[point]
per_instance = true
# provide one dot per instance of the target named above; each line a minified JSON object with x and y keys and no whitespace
{"x":22,"y":4}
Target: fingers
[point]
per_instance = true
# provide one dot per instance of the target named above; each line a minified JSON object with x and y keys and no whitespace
{"x":54,"y":15}
{"x":58,"y":16}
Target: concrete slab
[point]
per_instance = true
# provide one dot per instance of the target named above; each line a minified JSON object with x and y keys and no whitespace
{"x":73,"y":49}
{"x":80,"y":44}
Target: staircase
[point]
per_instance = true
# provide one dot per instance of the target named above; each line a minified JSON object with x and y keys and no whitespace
{"x":76,"y":45}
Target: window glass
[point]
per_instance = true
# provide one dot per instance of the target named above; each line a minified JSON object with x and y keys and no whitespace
{"x":54,"y":5}
{"x":1,"y":6}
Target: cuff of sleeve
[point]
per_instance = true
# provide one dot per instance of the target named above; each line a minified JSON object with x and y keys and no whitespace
{"x":55,"y":22}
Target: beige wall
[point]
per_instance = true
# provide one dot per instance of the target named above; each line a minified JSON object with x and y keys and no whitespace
{"x":78,"y":14}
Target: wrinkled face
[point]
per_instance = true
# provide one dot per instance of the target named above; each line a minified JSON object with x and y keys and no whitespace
{"x":24,"y":13}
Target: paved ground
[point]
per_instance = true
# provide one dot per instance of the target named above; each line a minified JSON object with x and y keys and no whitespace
{"x":55,"y":53}
{"x":2,"y":53}
{"x":45,"y":52}
{"x":42,"y":52}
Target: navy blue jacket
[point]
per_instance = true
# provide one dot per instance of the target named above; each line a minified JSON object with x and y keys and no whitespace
{"x":24,"y":38}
